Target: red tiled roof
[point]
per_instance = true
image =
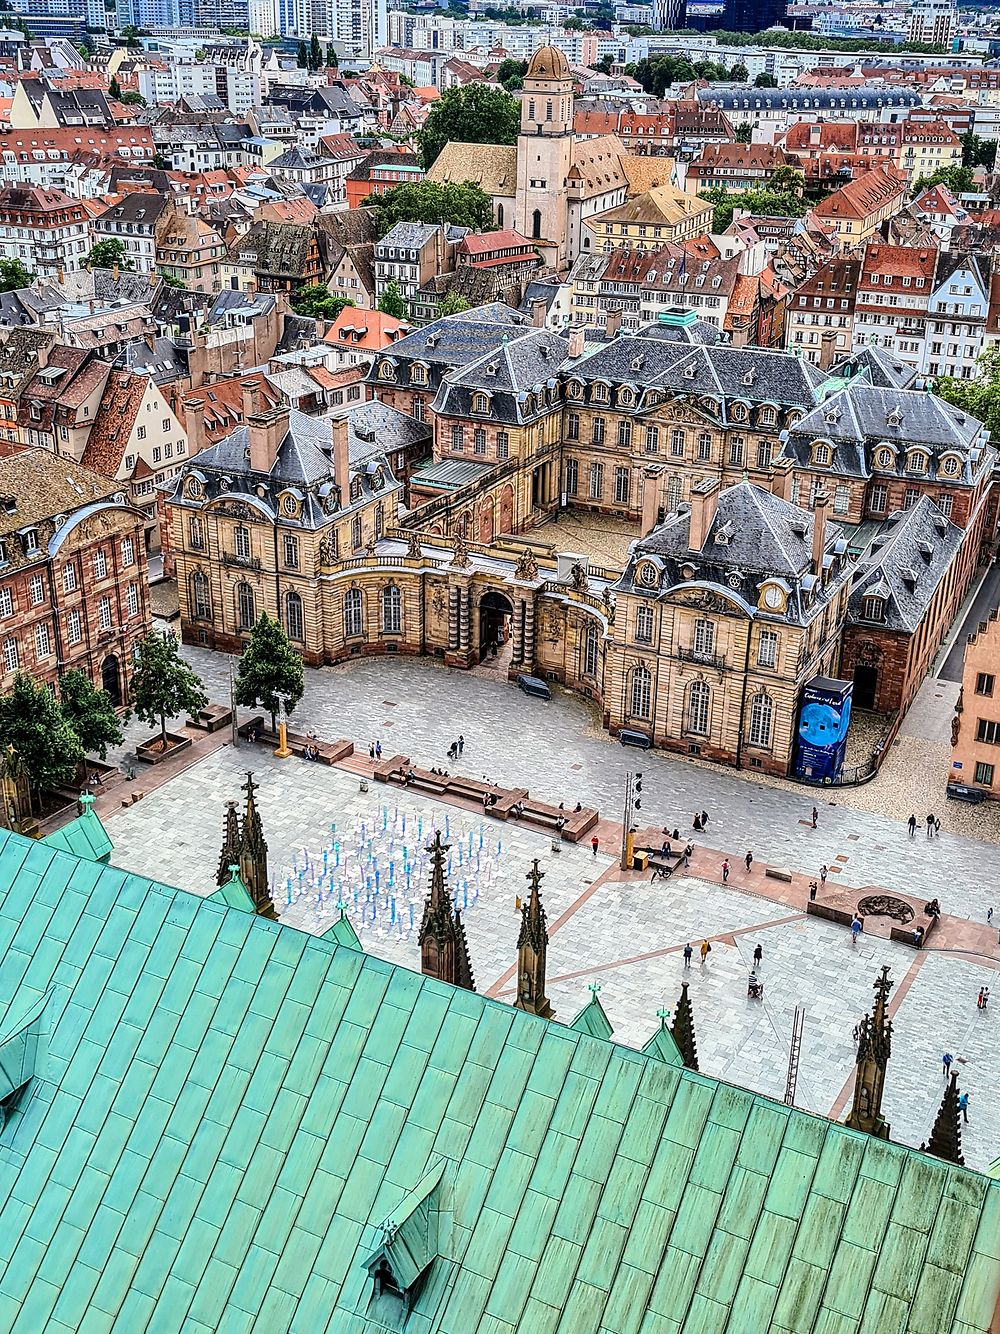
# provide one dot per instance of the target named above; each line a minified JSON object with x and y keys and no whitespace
{"x":489,"y":241}
{"x":113,"y":424}
{"x":375,"y":330}
{"x":863,"y":197}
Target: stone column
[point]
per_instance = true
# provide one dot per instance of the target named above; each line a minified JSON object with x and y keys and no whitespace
{"x":453,"y":617}
{"x":529,"y":633}
{"x":517,"y":658}
{"x":464,"y":601}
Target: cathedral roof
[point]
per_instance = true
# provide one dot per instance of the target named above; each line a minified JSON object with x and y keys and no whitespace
{"x":235,"y":1158}
{"x":548,"y":62}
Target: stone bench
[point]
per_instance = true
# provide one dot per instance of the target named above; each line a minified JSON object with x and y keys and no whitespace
{"x":251,"y":725}
{"x":212,"y":718}
{"x":904,"y":934}
{"x":779,"y":873}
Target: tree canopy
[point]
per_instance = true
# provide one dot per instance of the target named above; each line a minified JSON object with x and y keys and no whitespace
{"x":957,"y":179}
{"x":319,"y":302}
{"x":392,"y":302}
{"x":765,"y":80}
{"x":461,"y":204}
{"x":510,"y":74}
{"x":452,"y":304}
{"x":269,"y":668}
{"x":13,"y":275}
{"x":163,"y":685}
{"x":977,"y":152}
{"x":475,"y":114}
{"x":33,"y":724}
{"x":981,"y":396}
{"x":658,"y":73}
{"x":769,"y":203}
{"x":90,"y":714}
{"x":106,"y":254}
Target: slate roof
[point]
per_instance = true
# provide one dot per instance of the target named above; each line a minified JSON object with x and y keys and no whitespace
{"x":450,"y":342}
{"x":904,"y":565}
{"x":223,"y":1112}
{"x":527,"y":364}
{"x":879,"y":366}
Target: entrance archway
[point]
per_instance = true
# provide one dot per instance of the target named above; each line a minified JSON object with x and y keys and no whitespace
{"x":111,"y":680}
{"x":496,"y":617}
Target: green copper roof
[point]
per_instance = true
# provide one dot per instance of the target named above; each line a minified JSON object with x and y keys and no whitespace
{"x":224,"y":1116}
{"x":592,"y":1019}
{"x":343,"y":933}
{"x":663,"y":1047}
{"x":85,"y":836}
{"x":234,"y":894}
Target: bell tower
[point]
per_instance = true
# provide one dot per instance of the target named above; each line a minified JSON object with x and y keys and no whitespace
{"x":545,"y":154}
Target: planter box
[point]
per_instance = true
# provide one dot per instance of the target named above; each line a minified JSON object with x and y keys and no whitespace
{"x":175,"y":744}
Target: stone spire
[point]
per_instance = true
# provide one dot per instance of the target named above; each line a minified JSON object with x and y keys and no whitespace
{"x":444,"y":952}
{"x":231,"y":839}
{"x":946,"y":1135}
{"x":874,"y":1050}
{"x":682,"y":1030}
{"x":532,"y":946}
{"x":253,"y":854}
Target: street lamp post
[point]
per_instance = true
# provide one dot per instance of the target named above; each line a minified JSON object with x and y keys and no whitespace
{"x":282,"y":753}
{"x":633,"y":803}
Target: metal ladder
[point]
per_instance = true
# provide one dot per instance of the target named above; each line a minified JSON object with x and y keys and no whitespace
{"x":798,"y":1023}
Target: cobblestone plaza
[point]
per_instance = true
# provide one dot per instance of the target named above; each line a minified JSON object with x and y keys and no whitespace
{"x":622,"y":933}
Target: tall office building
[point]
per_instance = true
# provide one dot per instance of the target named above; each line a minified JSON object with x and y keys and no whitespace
{"x":933,"y":21}
{"x":753,"y":15}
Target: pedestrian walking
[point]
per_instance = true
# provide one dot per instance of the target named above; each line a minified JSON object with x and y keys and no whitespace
{"x":986,"y":998}
{"x":856,"y":1033}
{"x":989,"y":916}
{"x":749,"y":860}
{"x":855,"y":929}
{"x":824,"y":871}
{"x":687,"y":855}
{"x":946,"y":1061}
{"x":705,"y":951}
{"x":815,"y":816}
{"x":378,"y":750}
{"x":595,"y":843}
{"x":911,"y":824}
{"x":696,"y":822}
{"x":688,"y":951}
{"x":371,"y":751}
{"x":461,"y":743}
{"x":758,"y":955}
{"x":704,"y":819}
{"x":979,"y":999}
{"x":813,"y":887}
{"x":937,"y":826}
{"x":725,"y":871}
{"x":930,"y":826}
{"x":963,"y":1107}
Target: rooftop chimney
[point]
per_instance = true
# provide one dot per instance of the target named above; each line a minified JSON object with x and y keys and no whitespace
{"x":613,"y":322}
{"x":781,"y":478}
{"x":819,"y":534}
{"x":342,"y":458}
{"x":575,"y":348}
{"x":267,"y":428}
{"x":194,"y":425}
{"x":538,"y":312}
{"x":828,"y":349}
{"x":650,"y":498}
{"x":704,"y":502}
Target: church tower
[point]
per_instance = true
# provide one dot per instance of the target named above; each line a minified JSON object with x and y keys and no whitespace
{"x":444,"y":951}
{"x":545,"y":155}
{"x":532,"y":945}
{"x":253,"y":854}
{"x":874,"y":1050}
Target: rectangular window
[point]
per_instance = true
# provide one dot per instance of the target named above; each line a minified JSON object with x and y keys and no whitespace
{"x":652,"y":439}
{"x":573,"y":426}
{"x":73,"y":631}
{"x":69,"y":578}
{"x":596,"y":481}
{"x":704,"y":638}
{"x":43,"y":641}
{"x":878,"y":499}
{"x":11,"y":655}
{"x":100,"y":564}
{"x":988,"y":731}
{"x":984,"y":683}
{"x":763,"y":454}
{"x":842,"y":499}
{"x":677,"y":444}
{"x":597,"y":427}
{"x":644,"y":625}
{"x":622,"y":486}
{"x":141,"y":433}
{"x":165,"y":425}
{"x":572,"y":477}
{"x":36,"y":589}
{"x":128,"y":551}
{"x":736,"y":452}
{"x":767,"y":649}
{"x":945,"y":505}
{"x":479,"y":440}
{"x":503,"y":445}
{"x":984,"y":774}
{"x":291,"y":545}
{"x":6,"y":602}
{"x":457,"y":438}
{"x":157,"y":453}
{"x":704,"y":448}
{"x":104,"y":614}
{"x":132,"y":599}
{"x":910,"y":497}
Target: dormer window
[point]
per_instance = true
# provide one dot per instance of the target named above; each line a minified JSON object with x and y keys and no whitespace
{"x":894,"y":418}
{"x":625,"y":397}
{"x":418,"y":374}
{"x":574,"y":389}
{"x":821,"y":455}
{"x":599,"y":393}
{"x":387,"y":371}
{"x":768,"y":417}
{"x":739,"y":412}
{"x":873,"y":609}
{"x":884,"y":458}
{"x":832,"y":416}
{"x":480,"y":403}
{"x":690,"y":371}
{"x":748,"y":377}
{"x":916,"y":461}
{"x":950,"y":467}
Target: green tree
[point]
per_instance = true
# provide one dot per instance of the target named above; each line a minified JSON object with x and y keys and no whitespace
{"x":303,"y":57}
{"x":269,"y":668}
{"x":957,"y":179}
{"x":739,"y":73}
{"x":769,"y":203}
{"x":475,"y":114}
{"x":13,"y":275}
{"x":978,"y":152}
{"x":331,"y":57}
{"x":315,"y":53}
{"x":392,"y":302}
{"x":170,"y":280}
{"x":765,"y":80}
{"x":319,"y":302}
{"x":461,"y":204}
{"x":979,"y":397}
{"x":106,"y":254}
{"x":32,"y":723}
{"x":510,"y":74}
{"x":163,"y":685}
{"x":787,"y":178}
{"x":744,"y":132}
{"x":90,"y":714}
{"x":133,"y":100}
{"x":114,"y":89}
{"x":452,"y":304}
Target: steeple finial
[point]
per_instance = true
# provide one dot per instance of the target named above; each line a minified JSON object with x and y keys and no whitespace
{"x":946,"y":1134}
{"x":463,"y":965}
{"x":231,"y":840}
{"x":441,"y":946}
{"x":252,"y":853}
{"x":532,"y":949}
{"x":874,"y":1050}
{"x":682,"y":1030}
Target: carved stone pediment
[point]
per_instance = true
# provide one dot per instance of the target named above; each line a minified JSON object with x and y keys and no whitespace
{"x":704,"y":599}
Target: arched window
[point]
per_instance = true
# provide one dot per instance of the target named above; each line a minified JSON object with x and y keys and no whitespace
{"x":698,"y":701}
{"x":245,"y":607}
{"x":639,"y":693}
{"x":536,"y":224}
{"x":241,"y":541}
{"x":293,"y":616}
{"x":392,"y":610}
{"x":196,"y":533}
{"x":201,"y":603}
{"x":354,"y":622}
{"x":590,"y":651}
{"x":761,"y":720}
{"x":500,"y":217}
